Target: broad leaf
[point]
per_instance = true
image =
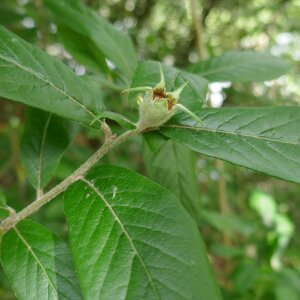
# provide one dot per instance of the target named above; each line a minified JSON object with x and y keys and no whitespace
{"x":241,"y":67}
{"x":38,"y":264}
{"x":82,"y":49}
{"x":131,"y":239}
{"x":193,"y":95}
{"x":262,"y":139}
{"x":29,"y":75}
{"x":173,"y":166}
{"x":115,"y":45}
{"x":154,"y":140}
{"x":45,"y":140}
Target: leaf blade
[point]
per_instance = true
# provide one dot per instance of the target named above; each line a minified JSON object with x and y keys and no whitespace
{"x":82,"y":49}
{"x":30,"y":76}
{"x":262,"y":139}
{"x":241,"y":67}
{"x":116,"y":45}
{"x":105,"y":256}
{"x":173,"y":167}
{"x":45,"y":139}
{"x":32,"y":252}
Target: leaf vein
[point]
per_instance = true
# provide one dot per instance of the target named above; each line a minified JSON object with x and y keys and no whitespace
{"x":130,"y":240}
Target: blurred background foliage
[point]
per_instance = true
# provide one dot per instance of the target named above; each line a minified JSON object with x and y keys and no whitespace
{"x":249,"y":221}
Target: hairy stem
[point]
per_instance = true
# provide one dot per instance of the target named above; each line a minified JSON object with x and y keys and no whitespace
{"x":109,"y":144}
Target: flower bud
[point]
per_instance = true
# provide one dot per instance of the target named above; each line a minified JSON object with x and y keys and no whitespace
{"x":157,"y":105}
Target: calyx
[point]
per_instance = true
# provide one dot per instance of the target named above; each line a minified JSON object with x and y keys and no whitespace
{"x":157,"y":105}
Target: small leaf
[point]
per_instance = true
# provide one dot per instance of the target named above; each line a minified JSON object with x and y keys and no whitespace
{"x":193,"y":95}
{"x":115,"y":45}
{"x":262,"y":139}
{"x":29,"y":75}
{"x":38,"y":264}
{"x":44,"y":141}
{"x":131,"y":239}
{"x":120,"y":119}
{"x":241,"y":67}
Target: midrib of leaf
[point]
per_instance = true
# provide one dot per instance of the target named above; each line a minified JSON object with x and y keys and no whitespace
{"x":41,"y":77}
{"x":39,"y":171}
{"x":35,"y":257}
{"x":115,"y":216}
{"x":232,"y":133}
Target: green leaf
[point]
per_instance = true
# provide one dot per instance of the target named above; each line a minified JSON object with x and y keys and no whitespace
{"x":228,"y":252}
{"x":120,"y":119}
{"x":131,"y":239}
{"x":38,"y":264}
{"x":82,"y":49}
{"x":9,"y":15}
{"x":262,"y":139}
{"x":154,"y":140}
{"x":173,"y":166}
{"x":245,"y":276}
{"x":231,"y":224}
{"x":148,"y":74}
{"x":115,"y":45}
{"x":29,"y":75}
{"x":45,"y":139}
{"x":241,"y":67}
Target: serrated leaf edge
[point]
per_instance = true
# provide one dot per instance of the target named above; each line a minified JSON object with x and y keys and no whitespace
{"x":95,"y":189}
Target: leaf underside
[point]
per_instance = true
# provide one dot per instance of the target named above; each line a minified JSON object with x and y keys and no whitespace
{"x":45,"y":139}
{"x":173,"y":166}
{"x":262,"y":139}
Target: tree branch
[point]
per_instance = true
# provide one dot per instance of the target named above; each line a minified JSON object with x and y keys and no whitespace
{"x":108,"y":145}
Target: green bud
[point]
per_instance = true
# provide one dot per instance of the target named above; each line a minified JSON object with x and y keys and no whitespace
{"x":157,"y":105}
